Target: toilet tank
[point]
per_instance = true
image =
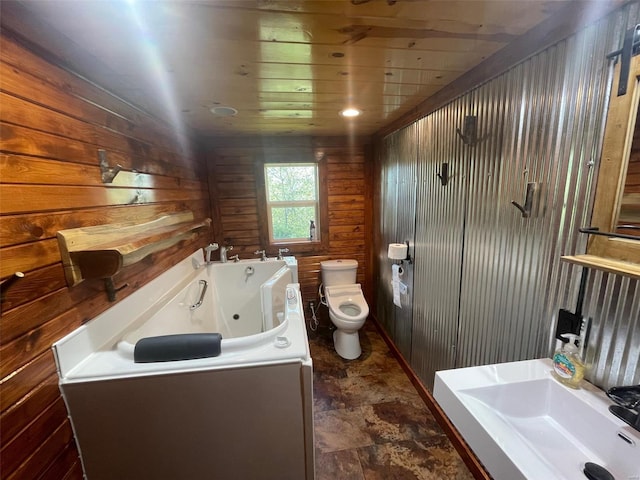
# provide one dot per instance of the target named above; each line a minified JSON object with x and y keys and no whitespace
{"x":339,"y":272}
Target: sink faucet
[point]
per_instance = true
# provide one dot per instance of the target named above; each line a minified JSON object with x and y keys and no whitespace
{"x":630,"y":416}
{"x":261,"y":252}
{"x":628,"y":404}
{"x":208,"y":249}
{"x":223,"y":253}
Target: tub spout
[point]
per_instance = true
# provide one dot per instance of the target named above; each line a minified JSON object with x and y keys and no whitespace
{"x":223,"y":253}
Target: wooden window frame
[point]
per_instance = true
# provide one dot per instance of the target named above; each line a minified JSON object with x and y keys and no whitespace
{"x":621,"y":120}
{"x":321,"y":246}
{"x":615,"y":255}
{"x":315,"y":203}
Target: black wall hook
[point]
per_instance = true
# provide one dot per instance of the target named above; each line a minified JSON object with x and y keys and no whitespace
{"x":469,"y":133}
{"x":444,"y":174}
{"x":528,"y":201}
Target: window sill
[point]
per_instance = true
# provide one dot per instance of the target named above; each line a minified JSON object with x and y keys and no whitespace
{"x":299,"y":247}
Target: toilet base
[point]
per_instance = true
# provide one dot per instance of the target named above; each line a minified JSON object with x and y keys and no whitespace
{"x":347,"y":344}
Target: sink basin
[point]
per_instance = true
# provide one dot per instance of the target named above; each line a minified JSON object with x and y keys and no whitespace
{"x":523,"y":424}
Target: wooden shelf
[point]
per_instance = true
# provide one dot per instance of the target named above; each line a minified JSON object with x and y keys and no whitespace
{"x":612,"y":266}
{"x":102,"y":250}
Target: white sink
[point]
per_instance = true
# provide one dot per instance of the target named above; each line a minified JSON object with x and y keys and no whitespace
{"x":523,"y":424}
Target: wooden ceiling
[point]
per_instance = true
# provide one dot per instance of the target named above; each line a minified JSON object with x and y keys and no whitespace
{"x":287,"y":66}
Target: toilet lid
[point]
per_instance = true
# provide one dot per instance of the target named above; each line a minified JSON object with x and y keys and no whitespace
{"x":342,"y":264}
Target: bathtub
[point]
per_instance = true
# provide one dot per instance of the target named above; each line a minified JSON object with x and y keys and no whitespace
{"x":243,"y":301}
{"x":245,"y":413}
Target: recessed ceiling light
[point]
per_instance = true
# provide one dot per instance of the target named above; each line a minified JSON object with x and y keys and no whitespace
{"x":350,"y":112}
{"x":224,"y":111}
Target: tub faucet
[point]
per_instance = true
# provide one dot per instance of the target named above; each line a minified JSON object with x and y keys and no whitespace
{"x":281,"y":251}
{"x":261,"y":252}
{"x":235,"y":258}
{"x":223,"y":253}
{"x":208,"y":249}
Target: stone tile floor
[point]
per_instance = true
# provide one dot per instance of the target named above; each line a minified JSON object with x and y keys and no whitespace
{"x":370,"y":423}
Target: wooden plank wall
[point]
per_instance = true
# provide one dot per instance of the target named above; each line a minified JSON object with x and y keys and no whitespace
{"x":52,"y":124}
{"x":234,"y":187}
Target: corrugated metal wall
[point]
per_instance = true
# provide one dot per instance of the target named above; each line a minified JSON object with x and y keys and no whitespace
{"x":549,"y":121}
{"x":387,"y":153}
{"x":439,"y":239}
{"x":488,"y":282}
{"x":398,"y":204}
{"x":614,"y":347}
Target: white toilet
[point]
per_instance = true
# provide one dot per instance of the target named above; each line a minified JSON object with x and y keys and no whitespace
{"x":347,"y":307}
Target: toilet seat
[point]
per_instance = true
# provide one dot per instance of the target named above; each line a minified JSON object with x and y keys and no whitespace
{"x":347,"y":303}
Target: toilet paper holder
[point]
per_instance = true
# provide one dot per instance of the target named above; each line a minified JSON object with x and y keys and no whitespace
{"x":399,"y":251}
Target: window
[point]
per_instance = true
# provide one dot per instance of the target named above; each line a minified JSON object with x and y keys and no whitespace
{"x":292,"y":201}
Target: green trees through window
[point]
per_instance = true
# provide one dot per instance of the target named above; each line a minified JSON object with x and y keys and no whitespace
{"x":292,"y":200}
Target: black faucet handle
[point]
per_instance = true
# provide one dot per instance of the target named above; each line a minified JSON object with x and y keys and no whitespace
{"x":627,"y":396}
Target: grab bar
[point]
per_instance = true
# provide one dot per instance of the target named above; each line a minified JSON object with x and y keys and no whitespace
{"x":204,"y":290}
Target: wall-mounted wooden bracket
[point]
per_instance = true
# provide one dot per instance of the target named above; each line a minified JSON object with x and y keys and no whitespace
{"x":101,"y":251}
{"x":107,"y":173}
{"x":528,"y":201}
{"x":444,"y":174}
{"x":111,"y":289}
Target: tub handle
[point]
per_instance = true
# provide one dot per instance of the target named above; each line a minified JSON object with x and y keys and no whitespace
{"x":201,"y":299}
